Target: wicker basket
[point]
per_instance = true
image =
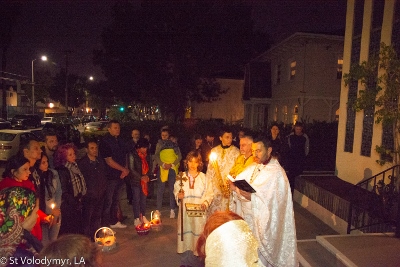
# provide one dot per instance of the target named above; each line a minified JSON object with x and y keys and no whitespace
{"x":141,"y":231}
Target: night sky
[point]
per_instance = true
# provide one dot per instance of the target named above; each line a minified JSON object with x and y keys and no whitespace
{"x":51,"y":27}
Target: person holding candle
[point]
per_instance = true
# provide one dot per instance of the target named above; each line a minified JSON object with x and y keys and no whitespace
{"x":73,"y":188}
{"x":49,"y":198}
{"x":222,"y":159}
{"x":17,"y":174}
{"x":197,"y":190}
{"x":18,"y":215}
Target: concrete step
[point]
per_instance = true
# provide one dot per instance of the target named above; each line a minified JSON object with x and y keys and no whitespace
{"x":313,"y":254}
{"x":377,"y":249}
{"x":361,"y":250}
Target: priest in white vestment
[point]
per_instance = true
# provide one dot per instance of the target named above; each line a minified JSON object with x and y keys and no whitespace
{"x":218,"y":169}
{"x":268,"y":211}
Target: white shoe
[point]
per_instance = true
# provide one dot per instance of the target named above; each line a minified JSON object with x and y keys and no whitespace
{"x":172,"y":214}
{"x":136,"y":222}
{"x":118,"y":225}
{"x":145,"y":219}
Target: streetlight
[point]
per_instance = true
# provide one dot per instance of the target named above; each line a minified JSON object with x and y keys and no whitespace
{"x":86,"y":95}
{"x":43,"y":58}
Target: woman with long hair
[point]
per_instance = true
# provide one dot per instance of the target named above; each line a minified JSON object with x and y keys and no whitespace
{"x":49,"y":197}
{"x":17,"y":174}
{"x":277,"y":143}
{"x":73,"y":188}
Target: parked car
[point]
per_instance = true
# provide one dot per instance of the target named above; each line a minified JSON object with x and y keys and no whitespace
{"x":25,"y":121}
{"x":66,"y":132}
{"x":87,"y":118}
{"x":10,"y":141}
{"x":96,"y":126}
{"x":5,"y":124}
{"x":44,"y":120}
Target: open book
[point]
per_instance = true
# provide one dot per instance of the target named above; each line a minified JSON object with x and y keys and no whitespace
{"x":242,"y":184}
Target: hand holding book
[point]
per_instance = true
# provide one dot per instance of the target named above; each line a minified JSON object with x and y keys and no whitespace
{"x":242,"y":185}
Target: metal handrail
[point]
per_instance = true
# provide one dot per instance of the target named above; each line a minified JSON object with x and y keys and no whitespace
{"x":373,"y":206}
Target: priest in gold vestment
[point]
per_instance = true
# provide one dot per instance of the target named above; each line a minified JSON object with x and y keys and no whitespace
{"x":245,"y":158}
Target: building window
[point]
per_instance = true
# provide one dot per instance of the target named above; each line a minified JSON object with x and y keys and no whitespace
{"x":278,"y":74}
{"x":276,"y":113}
{"x":295,"y":114}
{"x":292,"y":69}
{"x":352,"y":96}
{"x":285,"y":114}
{"x":339,"y":67}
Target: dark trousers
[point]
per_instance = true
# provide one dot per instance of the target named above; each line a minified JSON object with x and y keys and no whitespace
{"x":139,"y":201}
{"x":161,"y":188}
{"x":91,"y":213}
{"x":111,"y":201}
{"x":71,"y":222}
{"x":128,"y":187}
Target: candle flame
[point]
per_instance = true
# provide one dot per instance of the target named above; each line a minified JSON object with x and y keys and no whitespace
{"x":53,"y":206}
{"x":213,"y":156}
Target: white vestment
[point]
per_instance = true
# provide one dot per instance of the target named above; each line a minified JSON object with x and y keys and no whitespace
{"x":270,"y":213}
{"x":193,"y":227}
{"x":232,"y":244}
{"x":225,"y":160}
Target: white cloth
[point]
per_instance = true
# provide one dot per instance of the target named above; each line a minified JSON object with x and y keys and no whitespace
{"x":192,"y":226}
{"x":232,"y":244}
{"x":270,"y":213}
{"x":225,"y":160}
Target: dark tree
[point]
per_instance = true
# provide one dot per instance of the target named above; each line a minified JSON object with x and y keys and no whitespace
{"x":169,"y":51}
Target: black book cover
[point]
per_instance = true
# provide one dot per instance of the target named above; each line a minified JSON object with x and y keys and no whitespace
{"x":244,"y":185}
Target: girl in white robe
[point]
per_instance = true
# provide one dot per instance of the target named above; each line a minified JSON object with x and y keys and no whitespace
{"x":197,"y":190}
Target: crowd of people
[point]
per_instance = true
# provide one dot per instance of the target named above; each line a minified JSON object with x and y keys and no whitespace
{"x":63,"y":197}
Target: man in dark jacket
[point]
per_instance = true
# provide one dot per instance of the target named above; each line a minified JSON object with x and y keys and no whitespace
{"x":112,"y":150}
{"x":93,"y":169}
{"x":298,"y":144}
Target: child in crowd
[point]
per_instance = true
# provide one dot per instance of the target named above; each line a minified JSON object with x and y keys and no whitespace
{"x":168,"y":157}
{"x":197,"y":190}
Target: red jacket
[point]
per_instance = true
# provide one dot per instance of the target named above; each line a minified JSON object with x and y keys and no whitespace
{"x":9,"y":182}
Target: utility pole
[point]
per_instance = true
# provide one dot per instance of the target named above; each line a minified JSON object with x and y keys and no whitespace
{"x":67,"y":52}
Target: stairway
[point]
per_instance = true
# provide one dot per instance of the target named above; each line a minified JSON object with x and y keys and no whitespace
{"x":361,"y":250}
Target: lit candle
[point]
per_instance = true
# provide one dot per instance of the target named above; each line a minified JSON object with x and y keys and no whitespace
{"x":213,"y":157}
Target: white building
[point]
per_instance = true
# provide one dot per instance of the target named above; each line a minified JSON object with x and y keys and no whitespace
{"x":301,"y":81}
{"x":368,"y":23}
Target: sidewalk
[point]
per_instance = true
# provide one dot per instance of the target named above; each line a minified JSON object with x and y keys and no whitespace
{"x":159,"y":248}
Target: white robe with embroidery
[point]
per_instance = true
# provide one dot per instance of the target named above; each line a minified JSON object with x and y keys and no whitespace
{"x":270,"y":213}
{"x":225,"y":160}
{"x":192,"y":226}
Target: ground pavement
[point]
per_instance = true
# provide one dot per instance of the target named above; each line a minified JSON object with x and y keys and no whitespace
{"x":159,"y":248}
